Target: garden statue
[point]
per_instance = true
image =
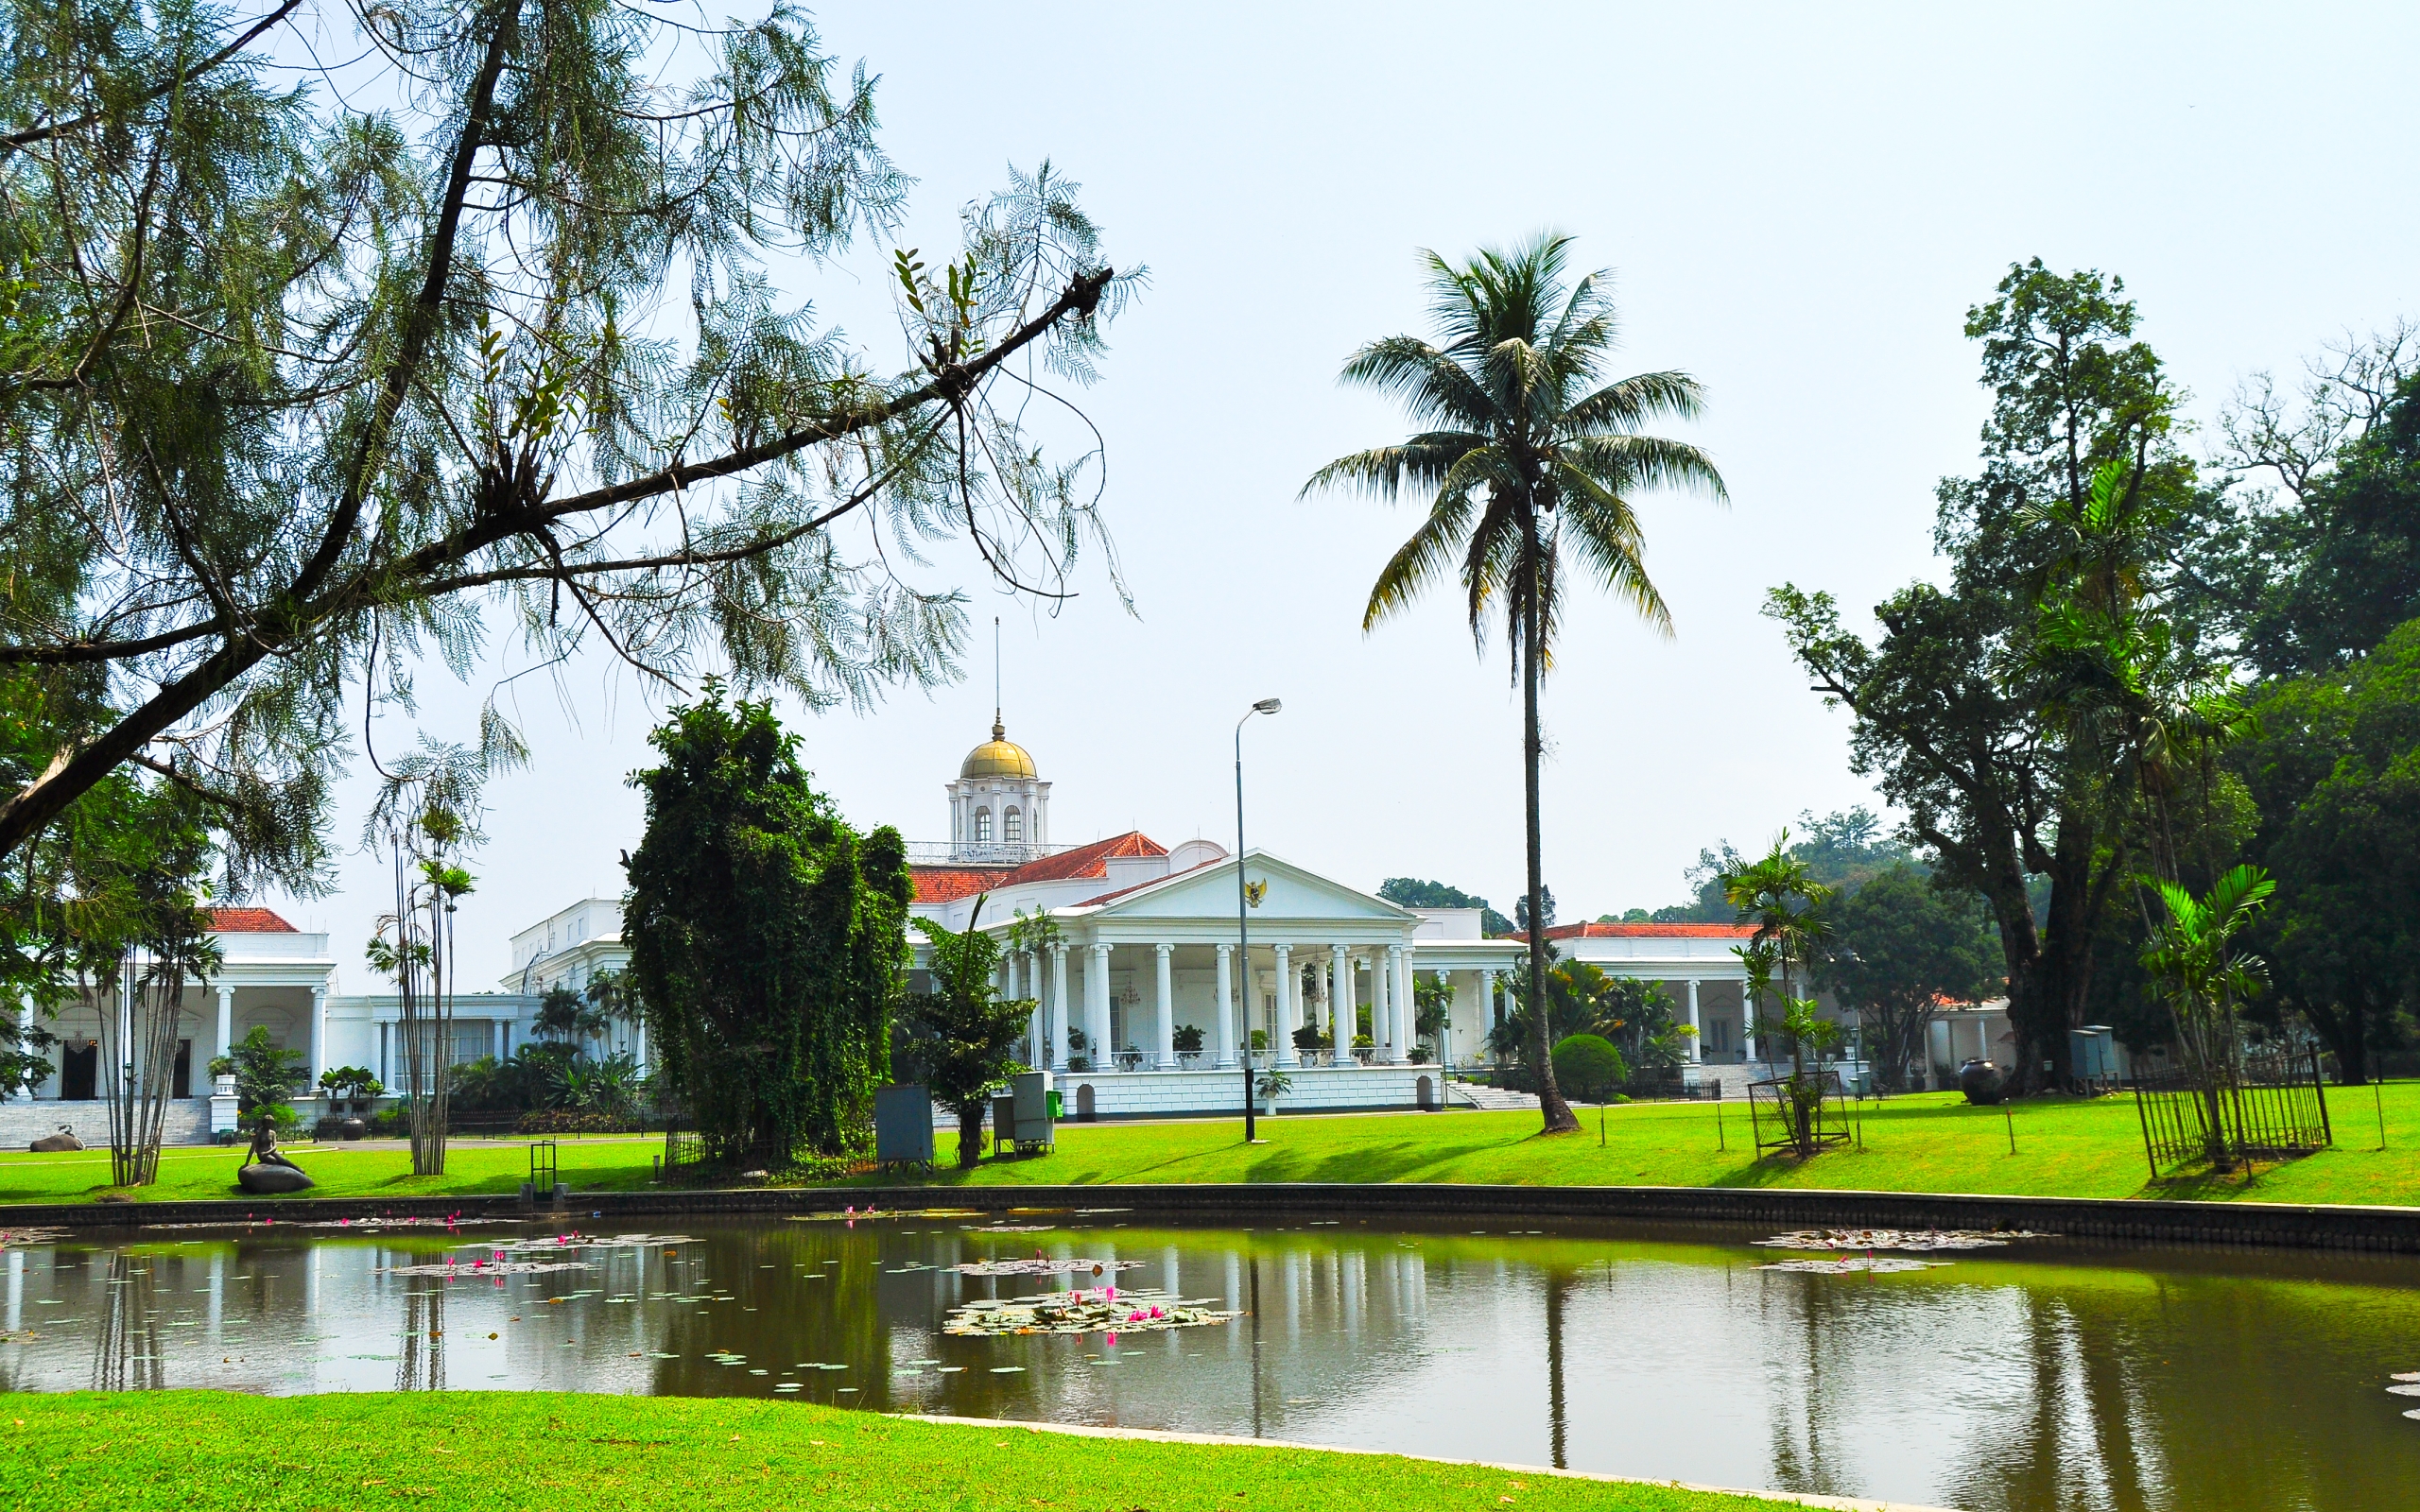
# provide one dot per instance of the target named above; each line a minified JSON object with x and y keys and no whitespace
{"x":1983,"y":1082}
{"x":274,"y":1173}
{"x":58,"y":1144}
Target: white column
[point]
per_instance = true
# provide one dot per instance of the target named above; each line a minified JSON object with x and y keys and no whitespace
{"x":1283,"y":1032}
{"x":1228,"y":1006}
{"x":1096,"y":1009}
{"x":1341,"y":1014}
{"x":1697,"y":1029}
{"x":1378,"y":986}
{"x":319,"y":1036}
{"x":1037,"y":1027}
{"x":1055,"y":1026}
{"x":1397,"y":1005}
{"x":1166,"y":1005}
{"x":226,"y":1018}
{"x":1747,"y":1024}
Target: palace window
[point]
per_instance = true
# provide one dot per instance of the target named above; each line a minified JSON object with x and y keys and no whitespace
{"x":982,"y":826}
{"x":1012,"y":826}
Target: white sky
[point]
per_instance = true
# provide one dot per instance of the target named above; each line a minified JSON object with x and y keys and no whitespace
{"x":1799,"y":203}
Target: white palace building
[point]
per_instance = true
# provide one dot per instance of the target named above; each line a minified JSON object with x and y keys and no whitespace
{"x":1136,"y":990}
{"x":1137,"y":987}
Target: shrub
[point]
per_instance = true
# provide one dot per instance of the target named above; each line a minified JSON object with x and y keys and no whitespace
{"x":1588,"y":1067}
{"x":574,"y":1120}
{"x":1187,"y":1039}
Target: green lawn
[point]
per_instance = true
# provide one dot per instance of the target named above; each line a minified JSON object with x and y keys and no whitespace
{"x":381,"y":1169}
{"x":199,"y":1451}
{"x":1933,"y":1143}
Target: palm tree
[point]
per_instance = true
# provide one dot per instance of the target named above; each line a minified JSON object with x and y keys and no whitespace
{"x":2194,"y":965}
{"x":1777,"y":892}
{"x":1521,"y":449}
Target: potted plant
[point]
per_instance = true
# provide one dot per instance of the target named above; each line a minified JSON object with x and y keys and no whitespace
{"x":1187,"y":1040}
{"x":353,"y":1086}
{"x":1273,"y":1085}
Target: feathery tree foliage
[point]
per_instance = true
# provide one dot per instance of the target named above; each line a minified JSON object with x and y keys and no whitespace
{"x":767,"y":938}
{"x":1528,"y":464}
{"x":302,"y":385}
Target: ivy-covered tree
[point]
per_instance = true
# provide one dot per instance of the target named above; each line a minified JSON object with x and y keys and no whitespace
{"x":964,"y":1030}
{"x":2009,"y":767}
{"x":2336,"y":775}
{"x":767,"y":937}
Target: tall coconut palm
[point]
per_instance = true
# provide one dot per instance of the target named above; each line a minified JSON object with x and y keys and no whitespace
{"x":1523,"y":454}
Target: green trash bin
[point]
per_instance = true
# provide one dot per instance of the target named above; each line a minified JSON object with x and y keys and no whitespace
{"x":1058,"y":1106}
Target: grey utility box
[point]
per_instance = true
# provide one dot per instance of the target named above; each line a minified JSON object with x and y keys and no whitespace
{"x":902,"y":1124}
{"x":2093,"y":1051}
{"x":1028,"y":1105}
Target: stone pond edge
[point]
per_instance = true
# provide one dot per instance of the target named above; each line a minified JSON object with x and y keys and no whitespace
{"x":2386,"y":1230}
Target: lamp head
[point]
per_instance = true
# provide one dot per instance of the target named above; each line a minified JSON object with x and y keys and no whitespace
{"x":1267,"y":706}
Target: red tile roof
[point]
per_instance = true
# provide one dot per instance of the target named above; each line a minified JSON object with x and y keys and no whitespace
{"x":1645,"y":931}
{"x":1107,"y":897}
{"x":942,"y":884}
{"x":248,"y":921}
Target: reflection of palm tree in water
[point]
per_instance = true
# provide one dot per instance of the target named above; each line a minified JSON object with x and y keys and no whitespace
{"x":1559,"y":1285}
{"x":126,"y":1356}
{"x":419,"y":1364}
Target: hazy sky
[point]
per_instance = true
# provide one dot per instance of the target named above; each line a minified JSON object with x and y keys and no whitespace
{"x":1799,"y":204}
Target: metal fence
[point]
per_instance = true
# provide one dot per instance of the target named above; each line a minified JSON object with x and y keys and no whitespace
{"x":1806,"y":1111}
{"x":2276,"y":1105}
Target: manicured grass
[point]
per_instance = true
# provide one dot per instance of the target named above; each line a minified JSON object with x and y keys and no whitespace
{"x":200,"y":1451}
{"x":1931,"y":1142}
{"x":380,"y":1169}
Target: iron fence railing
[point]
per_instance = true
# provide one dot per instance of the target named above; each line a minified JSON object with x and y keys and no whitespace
{"x":2274,"y":1105}
{"x":1805,"y":1112}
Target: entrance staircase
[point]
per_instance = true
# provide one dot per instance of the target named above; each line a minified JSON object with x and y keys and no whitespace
{"x":1488,"y":1099}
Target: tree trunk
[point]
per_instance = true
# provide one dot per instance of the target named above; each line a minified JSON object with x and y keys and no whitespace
{"x":1557,"y":1113}
{"x":1549,"y":1096}
{"x":2346,"y":1028}
{"x":969,"y":1135}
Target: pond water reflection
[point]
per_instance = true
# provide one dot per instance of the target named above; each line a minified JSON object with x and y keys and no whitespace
{"x":2036,"y":1377}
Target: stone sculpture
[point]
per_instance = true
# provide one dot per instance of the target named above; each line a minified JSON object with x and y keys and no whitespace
{"x":56,"y":1143}
{"x":274,"y":1173}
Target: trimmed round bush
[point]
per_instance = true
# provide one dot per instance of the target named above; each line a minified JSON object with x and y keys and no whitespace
{"x":1587,"y":1066}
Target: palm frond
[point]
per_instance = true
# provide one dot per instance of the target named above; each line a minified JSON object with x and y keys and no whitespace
{"x":1625,"y":464}
{"x":1605,"y":535}
{"x":1422,"y":462}
{"x":1627,"y":403}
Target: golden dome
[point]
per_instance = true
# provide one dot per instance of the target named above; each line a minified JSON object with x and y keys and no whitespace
{"x":998,"y":757}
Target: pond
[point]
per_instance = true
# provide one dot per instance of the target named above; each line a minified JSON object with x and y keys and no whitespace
{"x":2044,"y":1374}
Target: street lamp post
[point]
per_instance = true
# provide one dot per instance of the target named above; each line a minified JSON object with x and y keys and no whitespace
{"x":1243,"y":928}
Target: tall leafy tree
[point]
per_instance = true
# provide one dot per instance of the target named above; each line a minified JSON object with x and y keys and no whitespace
{"x":301,"y":383}
{"x":1411,"y":892}
{"x":2335,"y":773}
{"x":767,"y":937}
{"x":963,"y":1031}
{"x":1992,"y":748}
{"x":1901,"y":947}
{"x":1530,"y":464}
{"x":2316,"y":556}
